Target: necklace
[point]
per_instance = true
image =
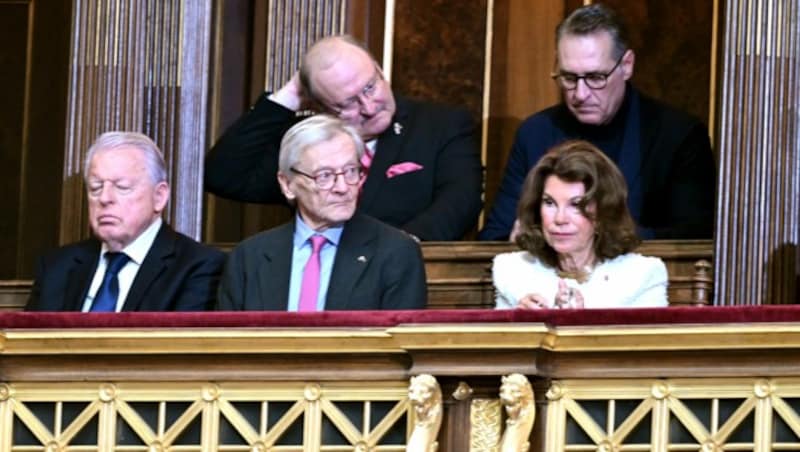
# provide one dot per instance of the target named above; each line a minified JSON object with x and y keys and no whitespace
{"x":581,"y":275}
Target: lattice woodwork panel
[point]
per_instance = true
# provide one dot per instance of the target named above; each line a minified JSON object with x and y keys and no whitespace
{"x":292,"y":26}
{"x":708,"y":415}
{"x":153,"y":417}
{"x":486,"y":424}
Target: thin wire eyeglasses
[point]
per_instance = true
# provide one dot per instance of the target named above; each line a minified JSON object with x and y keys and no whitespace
{"x":593,"y":80}
{"x":351,"y":105}
{"x":326,"y":179}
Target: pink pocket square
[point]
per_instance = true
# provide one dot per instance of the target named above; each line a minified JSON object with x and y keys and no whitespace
{"x":402,"y":168}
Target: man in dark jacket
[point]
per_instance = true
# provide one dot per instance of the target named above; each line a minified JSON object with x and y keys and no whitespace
{"x":664,"y":154}
{"x":422,"y":162}
{"x":135,"y":261}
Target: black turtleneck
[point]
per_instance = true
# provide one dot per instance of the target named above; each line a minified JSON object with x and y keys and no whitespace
{"x":607,"y":137}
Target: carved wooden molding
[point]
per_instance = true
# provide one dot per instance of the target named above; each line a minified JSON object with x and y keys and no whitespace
{"x":759,"y":185}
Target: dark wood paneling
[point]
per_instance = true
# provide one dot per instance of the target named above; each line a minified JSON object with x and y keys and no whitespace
{"x":523,"y":52}
{"x":439,"y":51}
{"x":672,"y":41}
{"x":13,"y":60}
{"x":365,"y":21}
{"x":33,"y":83}
{"x":231,"y":93}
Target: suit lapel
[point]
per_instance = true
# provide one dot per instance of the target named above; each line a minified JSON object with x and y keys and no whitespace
{"x":155,"y":263}
{"x":631,"y":154}
{"x":274,"y":280}
{"x":389,"y":145}
{"x":81,"y":275}
{"x":353,"y":255}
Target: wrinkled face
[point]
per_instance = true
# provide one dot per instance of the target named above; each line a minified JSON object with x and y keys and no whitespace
{"x":353,"y":88}
{"x":565,"y":227}
{"x":593,"y":54}
{"x":321,"y":209}
{"x":123,"y":200}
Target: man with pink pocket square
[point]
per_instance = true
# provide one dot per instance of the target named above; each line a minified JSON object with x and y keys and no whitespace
{"x":423,"y":167}
{"x":402,"y":168}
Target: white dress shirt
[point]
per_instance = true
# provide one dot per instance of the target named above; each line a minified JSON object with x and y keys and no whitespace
{"x":136,"y":251}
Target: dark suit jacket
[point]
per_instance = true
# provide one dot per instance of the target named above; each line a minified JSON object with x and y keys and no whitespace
{"x":177,"y":274}
{"x":376,"y":267}
{"x":674,"y":178}
{"x":440,"y":202}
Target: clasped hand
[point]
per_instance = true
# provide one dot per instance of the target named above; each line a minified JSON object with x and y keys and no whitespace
{"x":566,"y":298}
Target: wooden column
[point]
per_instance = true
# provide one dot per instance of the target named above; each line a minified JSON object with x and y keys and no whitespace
{"x":140,"y":65}
{"x":277,"y":33}
{"x":759,"y":184}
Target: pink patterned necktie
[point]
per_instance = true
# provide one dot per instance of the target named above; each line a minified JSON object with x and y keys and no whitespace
{"x":309,"y":290}
{"x":366,"y":161}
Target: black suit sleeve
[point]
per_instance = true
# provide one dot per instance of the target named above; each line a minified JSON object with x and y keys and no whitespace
{"x":199,"y":289}
{"x":36,"y":291}
{"x":403,"y":278}
{"x":230,"y":296}
{"x":456,"y":200}
{"x":243,"y":164}
{"x":689,"y":194}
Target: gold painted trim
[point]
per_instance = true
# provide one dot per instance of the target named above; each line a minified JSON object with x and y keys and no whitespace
{"x":26,"y":133}
{"x":401,"y":339}
{"x":676,"y":337}
{"x":712,"y":79}
{"x":388,"y":39}
{"x":485,"y":420}
{"x":487,"y":94}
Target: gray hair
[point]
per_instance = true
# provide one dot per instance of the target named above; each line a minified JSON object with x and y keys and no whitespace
{"x":310,"y":132}
{"x":592,"y":19}
{"x":154,"y":159}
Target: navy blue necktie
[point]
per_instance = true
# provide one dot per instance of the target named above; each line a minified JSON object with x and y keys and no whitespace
{"x":105,"y":300}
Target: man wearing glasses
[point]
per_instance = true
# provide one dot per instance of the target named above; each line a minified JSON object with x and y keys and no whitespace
{"x":664,"y":154}
{"x":329,"y":257}
{"x":422,"y":166}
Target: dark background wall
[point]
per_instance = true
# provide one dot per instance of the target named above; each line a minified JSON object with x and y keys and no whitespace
{"x":34,"y":59}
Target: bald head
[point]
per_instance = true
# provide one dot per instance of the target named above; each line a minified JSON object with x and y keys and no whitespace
{"x":325,"y":52}
{"x":345,"y":80}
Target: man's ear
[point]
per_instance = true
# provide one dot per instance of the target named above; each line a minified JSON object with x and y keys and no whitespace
{"x":628,"y":61}
{"x":160,"y":196}
{"x":286,"y":187}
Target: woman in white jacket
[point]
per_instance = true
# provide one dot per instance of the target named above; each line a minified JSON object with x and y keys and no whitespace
{"x":577,"y":238}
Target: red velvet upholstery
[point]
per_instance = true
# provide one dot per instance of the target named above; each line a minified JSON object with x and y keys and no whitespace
{"x":711,"y":315}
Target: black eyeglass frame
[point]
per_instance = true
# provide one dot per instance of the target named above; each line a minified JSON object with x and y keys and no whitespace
{"x":600,"y":82}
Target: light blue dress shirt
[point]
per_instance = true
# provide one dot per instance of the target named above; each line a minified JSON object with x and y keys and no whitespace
{"x":301,"y":251}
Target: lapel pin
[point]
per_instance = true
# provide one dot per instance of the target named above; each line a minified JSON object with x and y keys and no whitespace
{"x":361,"y":259}
{"x":398,"y":128}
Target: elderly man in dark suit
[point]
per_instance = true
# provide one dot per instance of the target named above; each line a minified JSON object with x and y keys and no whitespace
{"x":664,"y":154}
{"x":135,"y":261}
{"x":422,"y":163}
{"x":330,"y":257}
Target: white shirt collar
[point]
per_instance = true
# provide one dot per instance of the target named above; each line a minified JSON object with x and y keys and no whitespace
{"x":137,"y":250}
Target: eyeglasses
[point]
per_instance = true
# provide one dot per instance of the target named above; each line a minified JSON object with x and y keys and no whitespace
{"x":594,"y":80}
{"x":351,"y":105}
{"x":326,"y":179}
